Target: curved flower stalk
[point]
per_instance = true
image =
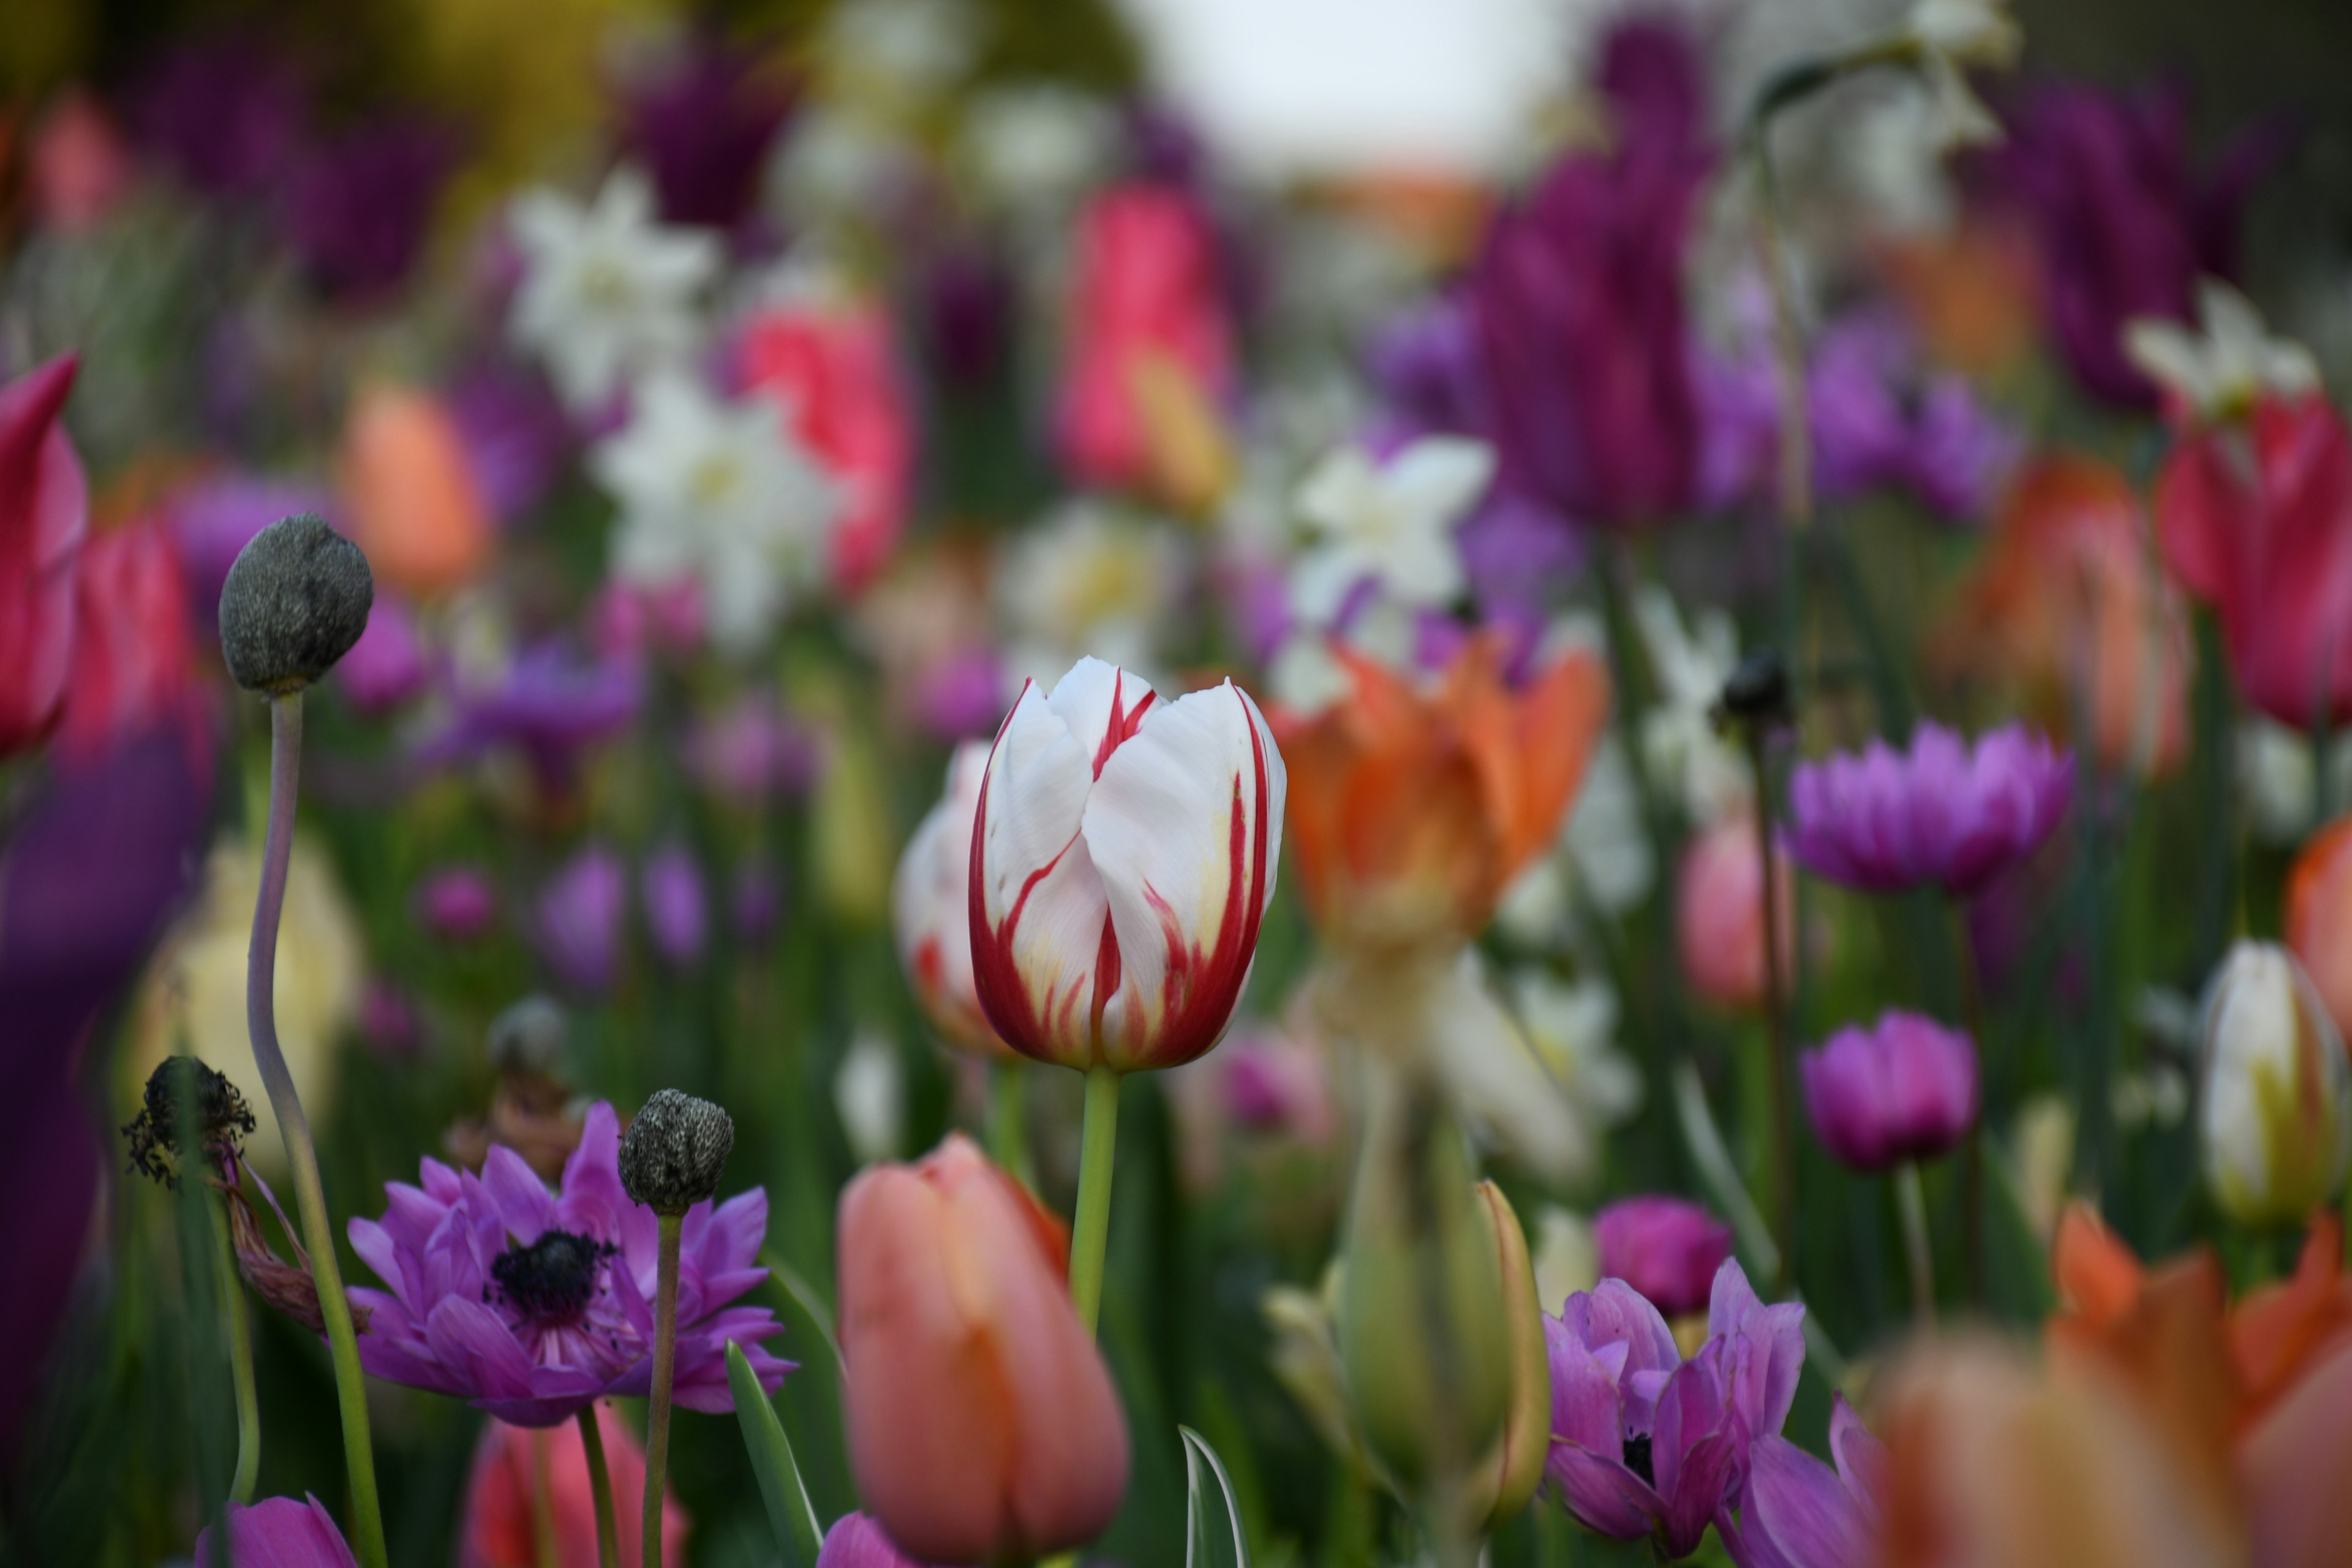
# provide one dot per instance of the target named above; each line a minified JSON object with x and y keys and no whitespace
{"x":534,"y":1305}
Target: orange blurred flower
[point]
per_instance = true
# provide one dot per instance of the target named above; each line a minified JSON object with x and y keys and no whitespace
{"x":414,"y":505}
{"x":2320,"y":916}
{"x":1972,"y":294}
{"x":1411,"y":809}
{"x":2070,"y":606}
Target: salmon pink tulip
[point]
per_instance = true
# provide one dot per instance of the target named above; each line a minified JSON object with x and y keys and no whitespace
{"x":416,"y":507}
{"x":2320,"y":916}
{"x":983,"y":1423}
{"x":1122,"y":856}
{"x":44,"y":512}
{"x":1719,"y":913}
{"x":499,"y":1528}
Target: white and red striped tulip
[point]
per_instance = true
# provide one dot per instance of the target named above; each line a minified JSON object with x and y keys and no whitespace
{"x":1122,"y":858}
{"x":930,"y":909}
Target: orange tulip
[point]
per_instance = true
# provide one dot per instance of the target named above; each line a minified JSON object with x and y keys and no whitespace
{"x":2320,"y":916}
{"x":414,"y":505}
{"x":1410,"y":810}
{"x":503,"y":1501}
{"x":2071,"y":607}
{"x":983,"y":1423}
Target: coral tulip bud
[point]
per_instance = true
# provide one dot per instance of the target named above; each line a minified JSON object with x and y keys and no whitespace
{"x":296,"y":600}
{"x":1513,"y":1468}
{"x":1123,"y":853}
{"x":983,"y":1423}
{"x":1719,"y":914}
{"x":1424,"y":1334}
{"x":2319,"y":916}
{"x":2275,"y":1112}
{"x":673,"y":1153}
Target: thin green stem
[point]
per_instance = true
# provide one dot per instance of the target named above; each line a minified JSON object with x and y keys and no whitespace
{"x":600,"y":1486}
{"x":1008,"y":1120}
{"x":1972,"y":1154}
{"x":1775,"y":1022}
{"x":1911,"y":1201}
{"x":240,"y":1367}
{"x":301,"y":1154}
{"x":1090,"y":1234}
{"x":657,"y":1408}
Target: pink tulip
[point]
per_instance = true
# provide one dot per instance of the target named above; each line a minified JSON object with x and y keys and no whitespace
{"x":44,"y":514}
{"x":856,"y":1541}
{"x":278,"y":1532}
{"x":983,"y":1423}
{"x":499,"y":1528}
{"x":133,"y":660}
{"x":1668,"y":1248}
{"x":1122,"y":857}
{"x":833,"y":368}
{"x":930,"y":907}
{"x":1719,"y":913}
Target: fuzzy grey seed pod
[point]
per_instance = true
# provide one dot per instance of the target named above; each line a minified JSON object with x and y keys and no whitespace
{"x":673,"y":1153}
{"x":296,"y":600}
{"x":529,"y":1037}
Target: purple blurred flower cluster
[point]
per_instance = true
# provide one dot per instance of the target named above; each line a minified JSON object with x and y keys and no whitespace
{"x":1645,"y":1443}
{"x":1944,"y":812}
{"x":534,"y":1305}
{"x":1903,"y":1089}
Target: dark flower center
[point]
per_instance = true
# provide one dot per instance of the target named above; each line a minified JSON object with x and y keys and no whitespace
{"x":1637,"y":1457}
{"x":550,"y":1280}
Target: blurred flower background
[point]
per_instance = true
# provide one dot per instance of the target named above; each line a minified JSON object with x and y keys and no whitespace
{"x":1785,"y":570}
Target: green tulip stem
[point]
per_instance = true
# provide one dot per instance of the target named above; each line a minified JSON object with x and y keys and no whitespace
{"x":1911,"y":1202}
{"x":240,"y":1367}
{"x":1090,"y":1233}
{"x":301,"y":1155}
{"x":1008,"y":1120}
{"x":657,"y":1406}
{"x":1776,"y":1018}
{"x":600,"y":1485}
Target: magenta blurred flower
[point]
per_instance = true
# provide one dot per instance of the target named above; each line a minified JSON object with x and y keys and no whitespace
{"x":458,"y":903}
{"x":1274,"y":1082}
{"x":678,"y":913}
{"x":43,"y":519}
{"x":702,"y":127}
{"x":752,"y":750}
{"x":857,"y":1540}
{"x":1578,"y":298}
{"x":356,"y":211}
{"x":515,"y":435}
{"x":627,"y":620}
{"x":758,"y":903}
{"x":1798,"y":1512}
{"x":532,"y":1305}
{"x":2124,"y":221}
{"x":387,"y":1021}
{"x":1944,"y":812}
{"x":1904,"y":1090}
{"x":549,"y":706}
{"x":960,"y":694}
{"x":1667,"y":1248}
{"x":386,"y":667}
{"x":225,"y":114}
{"x":278,"y":1532}
{"x":1643,"y":1442}
{"x":579,"y":918}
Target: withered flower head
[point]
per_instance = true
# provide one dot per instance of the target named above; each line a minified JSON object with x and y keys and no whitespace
{"x":157,"y":1138}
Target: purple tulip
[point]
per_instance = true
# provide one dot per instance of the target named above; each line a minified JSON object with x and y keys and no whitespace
{"x":1943,"y":812}
{"x":1799,"y":1512}
{"x":278,"y":1532}
{"x":1904,"y":1090}
{"x":1431,"y":373}
{"x":386,"y":667}
{"x":534,"y":1305}
{"x":968,"y":310}
{"x":580,"y":915}
{"x":702,"y":129}
{"x":225,"y":114}
{"x":458,"y":903}
{"x":677,"y":914}
{"x":1667,"y":1248}
{"x":356,"y":211}
{"x":2123,"y":222}
{"x":1579,"y":304}
{"x":548,"y":706}
{"x":1645,"y":1443}
{"x":857,"y":1540}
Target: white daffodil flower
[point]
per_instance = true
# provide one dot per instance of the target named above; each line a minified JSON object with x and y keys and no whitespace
{"x":2218,"y":368}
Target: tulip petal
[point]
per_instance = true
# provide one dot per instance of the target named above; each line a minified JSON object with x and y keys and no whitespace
{"x":1184,"y":827}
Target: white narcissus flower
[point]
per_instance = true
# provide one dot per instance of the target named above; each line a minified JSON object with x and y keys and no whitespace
{"x":1038,"y":144}
{"x":1392,"y":522}
{"x":1491,"y":1071}
{"x":930,"y":909}
{"x":1125,"y":855}
{"x":1573,"y":1027}
{"x":2216,"y":370}
{"x":870,"y":1094}
{"x":2276,"y":1111}
{"x":1091,"y":579}
{"x":1679,"y":740}
{"x":716,"y":492}
{"x":607,"y":291}
{"x":1952,"y":35}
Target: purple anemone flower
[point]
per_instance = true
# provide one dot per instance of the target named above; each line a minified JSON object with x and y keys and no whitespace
{"x":547,"y":705}
{"x":278,"y":1532}
{"x":1799,"y":1512}
{"x":580,"y":915}
{"x":1945,"y":812}
{"x":1668,"y":1248}
{"x":1644,"y":1443}
{"x":1905,"y":1089}
{"x":678,"y":911}
{"x":703,"y":128}
{"x":533,"y":1304}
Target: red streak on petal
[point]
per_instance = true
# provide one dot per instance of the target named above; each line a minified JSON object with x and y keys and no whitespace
{"x":1123,"y":724}
{"x":1106,"y":979}
{"x":1012,"y":1011}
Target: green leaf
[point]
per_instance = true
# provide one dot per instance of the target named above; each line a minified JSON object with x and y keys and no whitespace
{"x":1212,"y":1521}
{"x":805,"y":1295}
{"x":798,"y":1535}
